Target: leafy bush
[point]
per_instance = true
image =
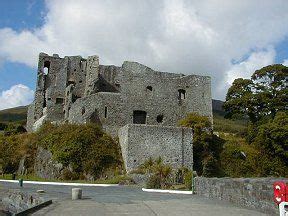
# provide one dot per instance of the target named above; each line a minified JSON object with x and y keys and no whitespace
{"x":239,"y":159}
{"x":206,"y":146}
{"x":85,"y":148}
{"x":188,"y":179}
{"x":15,"y":147}
{"x":154,"y":181}
{"x":271,"y":140}
{"x":159,"y":173}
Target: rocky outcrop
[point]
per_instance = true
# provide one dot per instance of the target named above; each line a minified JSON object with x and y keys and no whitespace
{"x":45,"y":167}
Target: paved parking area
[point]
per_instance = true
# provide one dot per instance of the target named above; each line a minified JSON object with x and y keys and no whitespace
{"x":127,"y":200}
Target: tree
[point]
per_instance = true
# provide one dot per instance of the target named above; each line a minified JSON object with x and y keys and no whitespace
{"x":272,"y":141}
{"x":206,"y":146}
{"x":263,"y":95}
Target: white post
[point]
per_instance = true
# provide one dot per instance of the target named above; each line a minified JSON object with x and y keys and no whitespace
{"x":76,"y":193}
{"x":282,"y":210}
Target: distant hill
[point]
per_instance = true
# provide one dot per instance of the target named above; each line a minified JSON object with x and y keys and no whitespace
{"x":217,"y":105}
{"x":15,"y":115}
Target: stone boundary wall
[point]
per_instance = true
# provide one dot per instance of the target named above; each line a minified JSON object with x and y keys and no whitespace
{"x":254,"y":193}
{"x":15,"y":200}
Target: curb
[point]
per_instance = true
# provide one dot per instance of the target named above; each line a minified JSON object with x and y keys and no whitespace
{"x":166,"y":191}
{"x":34,"y":208}
{"x":61,"y":183}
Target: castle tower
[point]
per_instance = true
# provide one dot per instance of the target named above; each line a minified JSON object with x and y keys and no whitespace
{"x":92,"y":74}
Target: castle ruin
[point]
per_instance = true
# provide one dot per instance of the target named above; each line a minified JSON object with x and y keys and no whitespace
{"x":134,"y":102}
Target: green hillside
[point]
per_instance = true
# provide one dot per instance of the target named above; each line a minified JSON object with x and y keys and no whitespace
{"x":15,"y":115}
{"x":220,"y":124}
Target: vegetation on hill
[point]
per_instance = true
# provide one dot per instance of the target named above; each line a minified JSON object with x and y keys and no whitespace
{"x":221,"y":124}
{"x":263,"y":101}
{"x":206,"y":146}
{"x":14,"y":115}
{"x":82,"y":149}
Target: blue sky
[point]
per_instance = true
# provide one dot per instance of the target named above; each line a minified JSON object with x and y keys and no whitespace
{"x":19,"y":15}
{"x":182,"y":36}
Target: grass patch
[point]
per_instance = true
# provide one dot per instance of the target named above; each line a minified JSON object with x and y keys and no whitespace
{"x":220,"y":124}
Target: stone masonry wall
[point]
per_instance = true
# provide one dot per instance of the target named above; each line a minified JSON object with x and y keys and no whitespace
{"x":255,"y":193}
{"x":140,"y":142}
{"x":136,"y":87}
{"x":72,"y":83}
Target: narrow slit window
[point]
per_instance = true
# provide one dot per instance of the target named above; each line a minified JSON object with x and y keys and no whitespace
{"x":105,"y":112}
{"x":83,"y":111}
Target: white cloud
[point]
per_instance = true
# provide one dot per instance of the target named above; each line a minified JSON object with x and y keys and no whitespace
{"x":285,"y":62}
{"x":246,"y":68}
{"x":185,"y":36}
{"x":17,"y":95}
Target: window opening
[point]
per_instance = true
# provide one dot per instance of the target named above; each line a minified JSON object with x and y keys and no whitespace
{"x":139,"y":117}
{"x":46,"y":67}
{"x":159,"y":118}
{"x":149,"y":88}
{"x":182,"y":94}
{"x":59,"y":100}
{"x":105,"y":112}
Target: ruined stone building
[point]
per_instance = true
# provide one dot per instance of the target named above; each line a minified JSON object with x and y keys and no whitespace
{"x":134,"y":102}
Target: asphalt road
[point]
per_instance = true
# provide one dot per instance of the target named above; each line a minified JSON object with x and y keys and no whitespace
{"x":127,"y":200}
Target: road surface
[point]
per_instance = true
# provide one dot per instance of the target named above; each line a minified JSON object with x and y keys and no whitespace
{"x":127,"y":200}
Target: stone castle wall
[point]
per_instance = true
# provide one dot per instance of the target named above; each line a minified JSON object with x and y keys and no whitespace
{"x":81,"y":90}
{"x":140,"y":142}
{"x":131,"y":93}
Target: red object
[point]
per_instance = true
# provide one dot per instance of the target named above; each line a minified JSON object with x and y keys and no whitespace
{"x":280,"y":192}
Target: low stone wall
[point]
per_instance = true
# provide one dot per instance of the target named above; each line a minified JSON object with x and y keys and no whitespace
{"x":255,"y":193}
{"x":15,"y":201}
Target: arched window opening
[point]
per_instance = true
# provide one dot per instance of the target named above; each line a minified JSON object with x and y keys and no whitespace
{"x":46,"y":67}
{"x":182,"y":94}
{"x":159,"y":118}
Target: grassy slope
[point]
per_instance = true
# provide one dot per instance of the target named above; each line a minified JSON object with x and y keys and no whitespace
{"x":16,"y":115}
{"x":228,"y":126}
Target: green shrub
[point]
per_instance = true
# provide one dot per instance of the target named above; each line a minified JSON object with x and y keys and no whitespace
{"x":205,"y":144}
{"x":82,"y":147}
{"x":188,"y":179}
{"x":160,"y":173}
{"x":13,"y":148}
{"x":154,"y":181}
